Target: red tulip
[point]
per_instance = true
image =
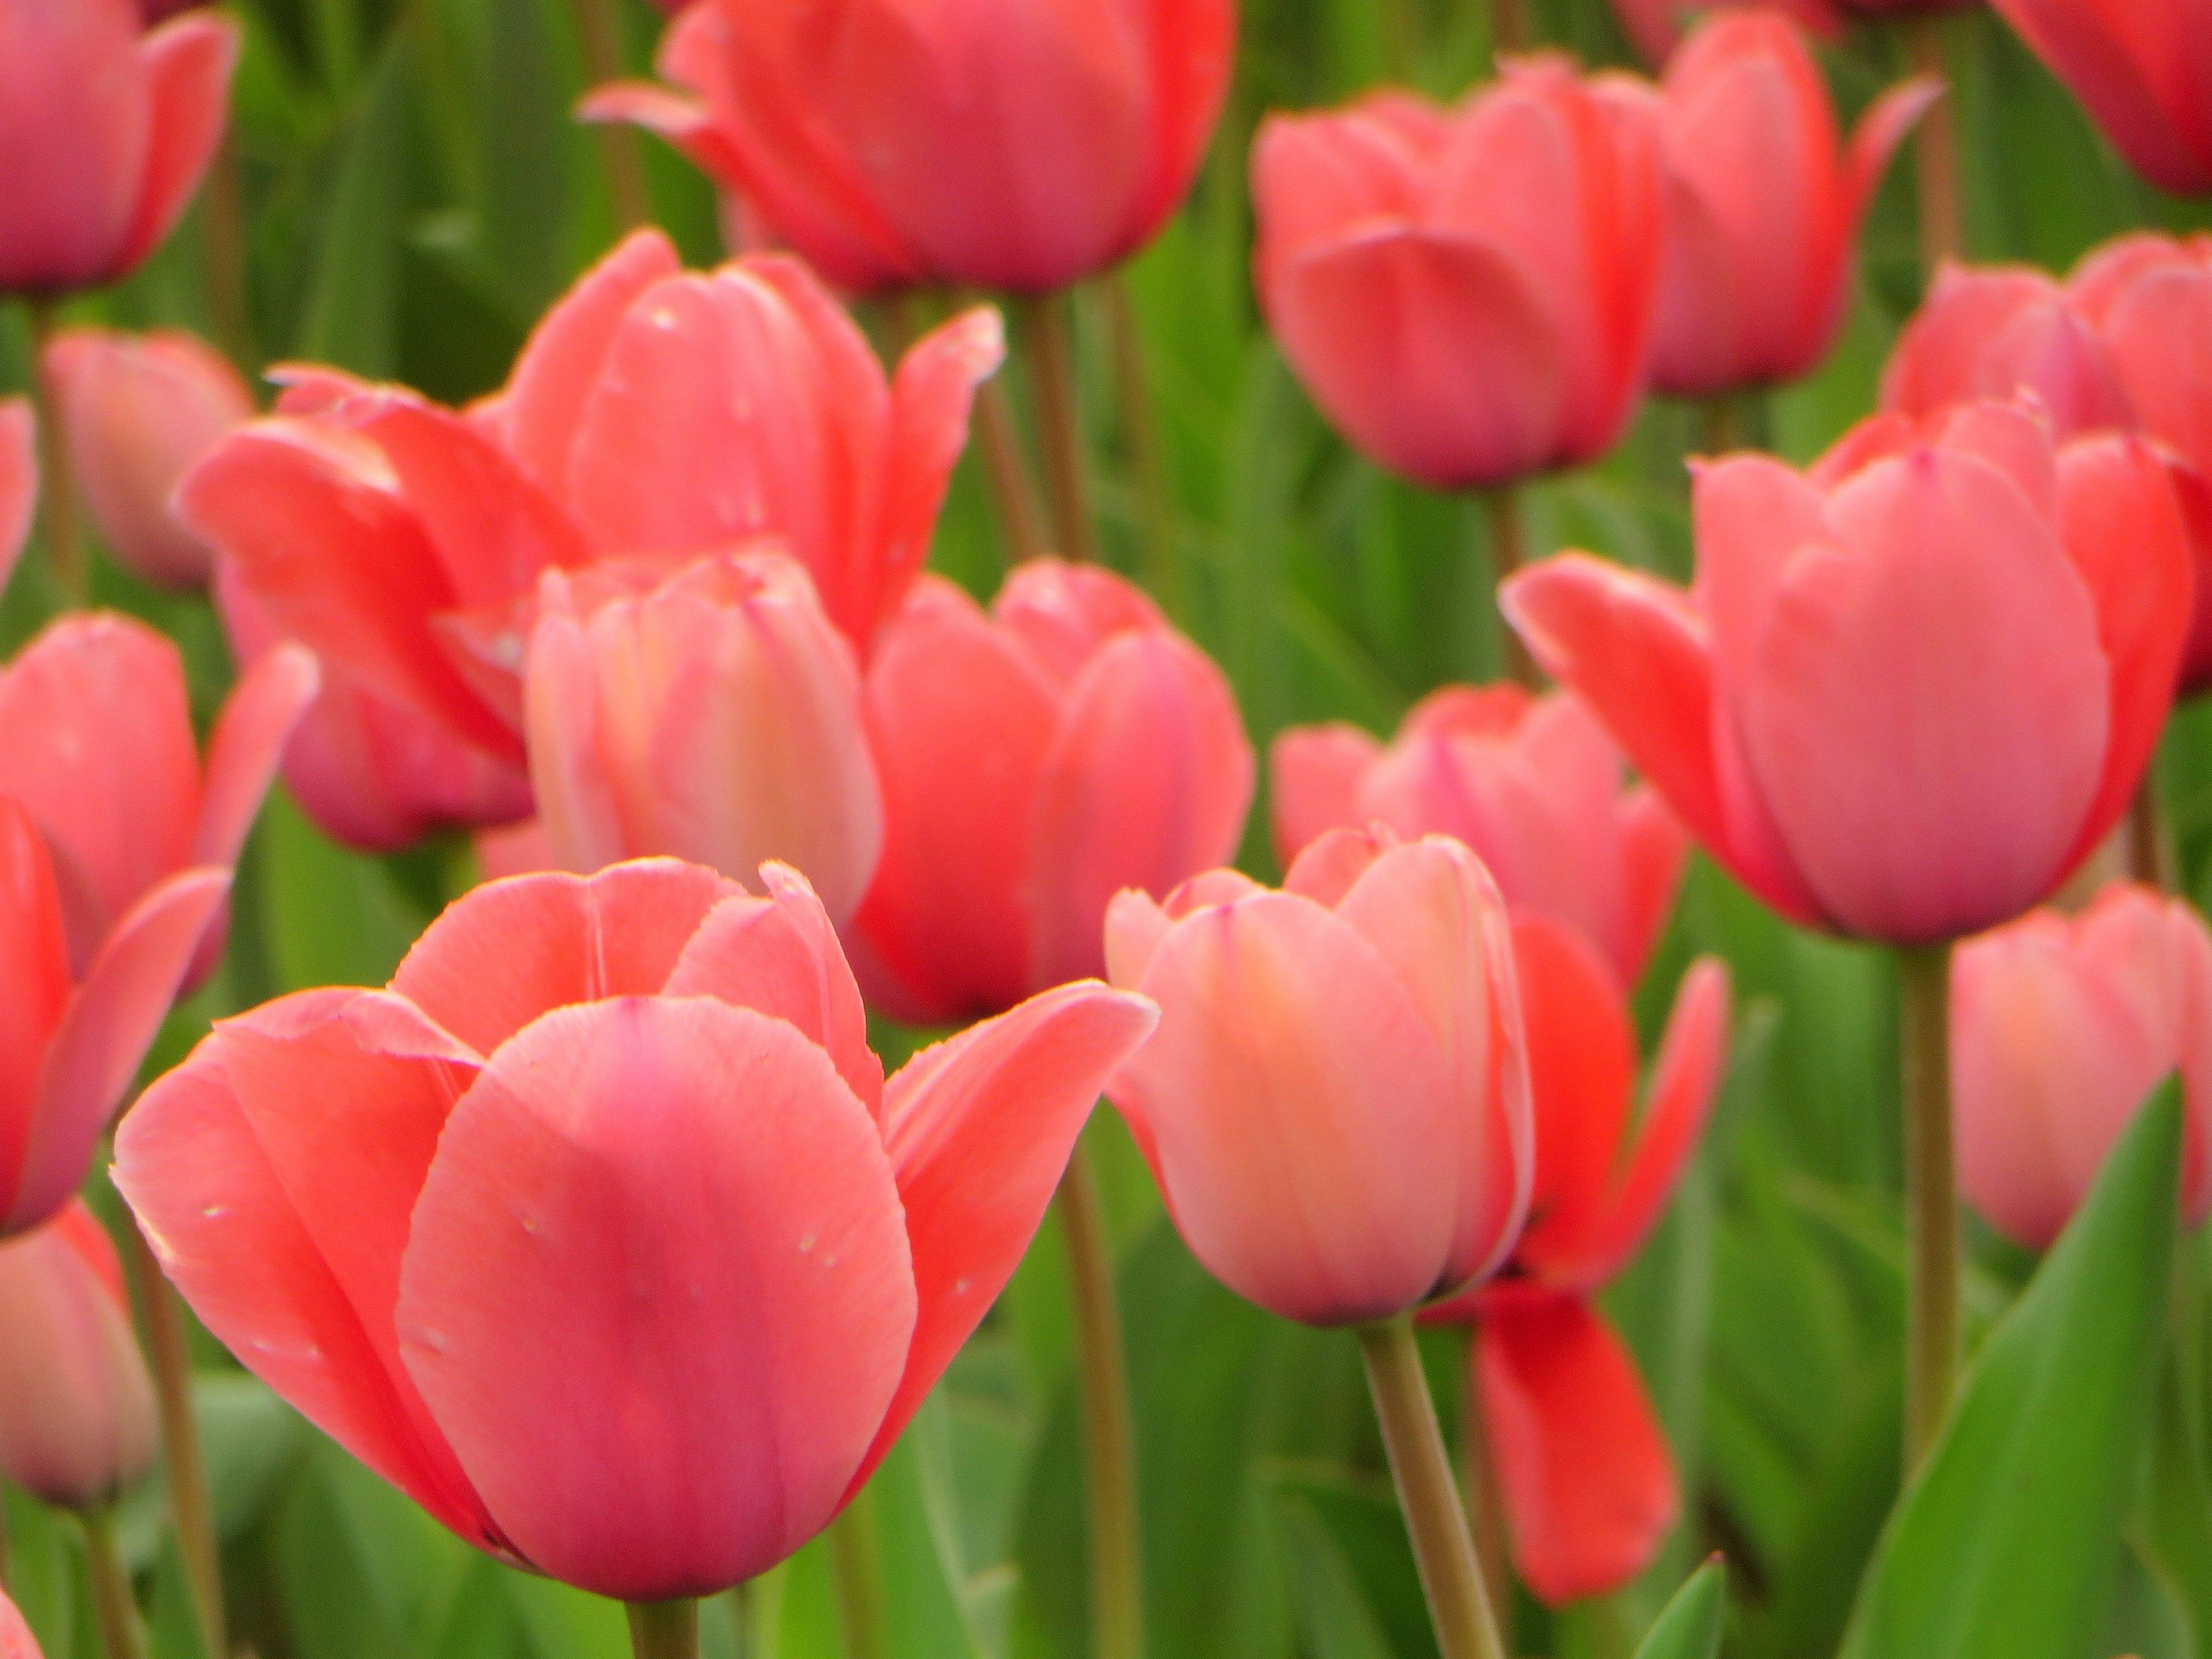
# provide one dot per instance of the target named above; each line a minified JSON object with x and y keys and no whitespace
{"x":19,"y":480}
{"x":713,"y":715}
{"x":1587,"y":1481}
{"x":600,"y":1233}
{"x":77,"y":1407}
{"x":1035,"y":761}
{"x":1764,"y":204}
{"x":103,"y":135}
{"x":980,"y":143}
{"x":2061,"y":1027}
{"x":1910,"y":690}
{"x":1656,"y":26}
{"x":1992,"y":332}
{"x":1469,"y":294}
{"x":2144,"y":69}
{"x":1336,"y":1102}
{"x":16,"y":1639}
{"x":1532,"y":784}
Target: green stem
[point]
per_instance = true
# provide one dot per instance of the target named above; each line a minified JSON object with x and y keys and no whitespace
{"x":1509,"y":27}
{"x":224,"y":236}
{"x":1508,"y":551}
{"x":856,"y":1565}
{"x":65,"y":549}
{"x":2150,"y":851}
{"x":1443,"y":1550}
{"x":1117,"y":1581}
{"x":1478,"y":1479}
{"x":1400,"y":49}
{"x":599,"y":30}
{"x":1140,"y":428}
{"x":113,"y":1600}
{"x":1935,"y":152}
{"x":663,"y":1630}
{"x":1931,"y":1346}
{"x":1007,"y":471}
{"x":1045,"y":335}
{"x":1722,"y":419}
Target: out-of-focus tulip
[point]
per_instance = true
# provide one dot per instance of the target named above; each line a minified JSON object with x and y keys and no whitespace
{"x":137,"y":412}
{"x":1910,"y":690}
{"x":1469,"y":294}
{"x":983,"y":143}
{"x":2143,"y":67}
{"x":77,"y":1407}
{"x":1764,"y":204}
{"x":600,"y":1233}
{"x":713,"y":714}
{"x":19,"y":481}
{"x":2061,"y":1027}
{"x":1336,"y":1102}
{"x":105,"y":131}
{"x":1993,"y":332}
{"x":1583,"y":1469}
{"x":1532,"y":784}
{"x":16,"y":1639}
{"x":1656,"y":26}
{"x":1036,"y":761}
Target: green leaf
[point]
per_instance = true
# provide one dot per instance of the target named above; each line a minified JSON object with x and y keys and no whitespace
{"x":1690,"y":1628}
{"x":174,"y":1629}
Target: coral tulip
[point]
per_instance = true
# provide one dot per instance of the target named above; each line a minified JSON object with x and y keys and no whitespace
{"x":1336,"y":1102}
{"x":105,"y":131}
{"x":1532,"y":784}
{"x":1469,"y":294}
{"x":2143,"y":67}
{"x":1992,"y":332}
{"x":137,"y":411}
{"x":981,"y":143}
{"x":1035,"y":761}
{"x":1910,"y":690}
{"x":1764,"y":204}
{"x":77,"y":1407}
{"x":600,"y":1233}
{"x":19,"y":481}
{"x":1587,"y":1482}
{"x":2061,"y":1027}
{"x":714,"y":716}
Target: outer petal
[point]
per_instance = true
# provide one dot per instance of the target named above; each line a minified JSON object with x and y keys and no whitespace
{"x":258,"y":719}
{"x":187,"y":65}
{"x":16,"y":1639}
{"x":34,"y":983}
{"x":19,"y":481}
{"x":657,"y":1293}
{"x":1192,"y":53}
{"x":2087,"y":46}
{"x":1314,"y":773}
{"x":73,"y":139}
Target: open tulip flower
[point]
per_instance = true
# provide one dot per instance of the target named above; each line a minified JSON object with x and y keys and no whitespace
{"x":1583,"y":1471}
{"x":1909,"y":690}
{"x":981,"y":143}
{"x":1532,"y":784}
{"x":1036,"y":761}
{"x":105,"y":130}
{"x":599,"y":1232}
{"x":2142,"y":68}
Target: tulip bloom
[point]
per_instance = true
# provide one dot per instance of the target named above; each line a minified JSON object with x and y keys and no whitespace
{"x":1584,"y":1471}
{"x":104,"y":134}
{"x":982,"y":143}
{"x":2142,"y":68}
{"x":1336,"y":1102}
{"x":1763,"y":205}
{"x":1996,"y":330}
{"x":1532,"y":784}
{"x":2061,"y":1027}
{"x":714,"y":716}
{"x":1910,"y":690}
{"x":600,"y":1233}
{"x":137,"y":411}
{"x":1036,"y":761}
{"x":77,"y":1407}
{"x":1467,"y":294}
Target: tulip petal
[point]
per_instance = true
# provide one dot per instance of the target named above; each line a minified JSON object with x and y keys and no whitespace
{"x":1315,"y":773}
{"x":560,"y":1261}
{"x":34,"y":982}
{"x":17,"y":1641}
{"x":187,"y":63}
{"x":258,"y":719}
{"x":1882,"y":128}
{"x":2086,"y":51}
{"x":74,"y":131}
{"x":19,"y":481}
{"x":1192,"y":50}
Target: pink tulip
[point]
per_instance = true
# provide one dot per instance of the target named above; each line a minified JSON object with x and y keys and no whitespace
{"x":1763,"y":205}
{"x":979,"y":143}
{"x":137,"y":412}
{"x":19,"y":481}
{"x":1656,"y":26}
{"x":713,"y":714}
{"x":1533,"y":785}
{"x":77,"y":1407}
{"x":1910,"y":690}
{"x":103,"y":135}
{"x":2061,"y":1027}
{"x":2144,"y":69}
{"x":1336,"y":1102}
{"x":16,"y":1639}
{"x":1036,"y":761}
{"x":1469,"y":294}
{"x":1992,"y":332}
{"x":599,"y":1233}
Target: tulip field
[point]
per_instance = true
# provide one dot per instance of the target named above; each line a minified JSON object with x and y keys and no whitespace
{"x":1105,"y":828}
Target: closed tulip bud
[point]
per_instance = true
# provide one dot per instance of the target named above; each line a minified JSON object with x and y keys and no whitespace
{"x":713,"y":715}
{"x":1336,"y":1102}
{"x":2143,"y":68}
{"x":1787,"y":710}
{"x":105,"y":130}
{"x":983,"y":143}
{"x":599,"y":1232}
{"x":1469,"y":294}
{"x":1533,"y":785}
{"x":77,"y":1407}
{"x":1035,"y":761}
{"x":1763,"y":205}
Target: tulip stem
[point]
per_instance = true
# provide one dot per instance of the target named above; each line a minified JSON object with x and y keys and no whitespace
{"x":1005,"y":468}
{"x":665,"y":1630}
{"x":1931,"y":1300}
{"x":1723,"y":420}
{"x":1508,"y":551}
{"x":1935,"y":153}
{"x":2150,"y":851}
{"x":1509,"y":27}
{"x":1045,"y":334}
{"x":598,"y":31}
{"x":65,"y":549}
{"x":1117,"y":1577}
{"x":224,"y":235}
{"x":857,"y":1565}
{"x":1478,"y":1479}
{"x":1443,"y":1550}
{"x":113,"y":1600}
{"x":1140,"y":428}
